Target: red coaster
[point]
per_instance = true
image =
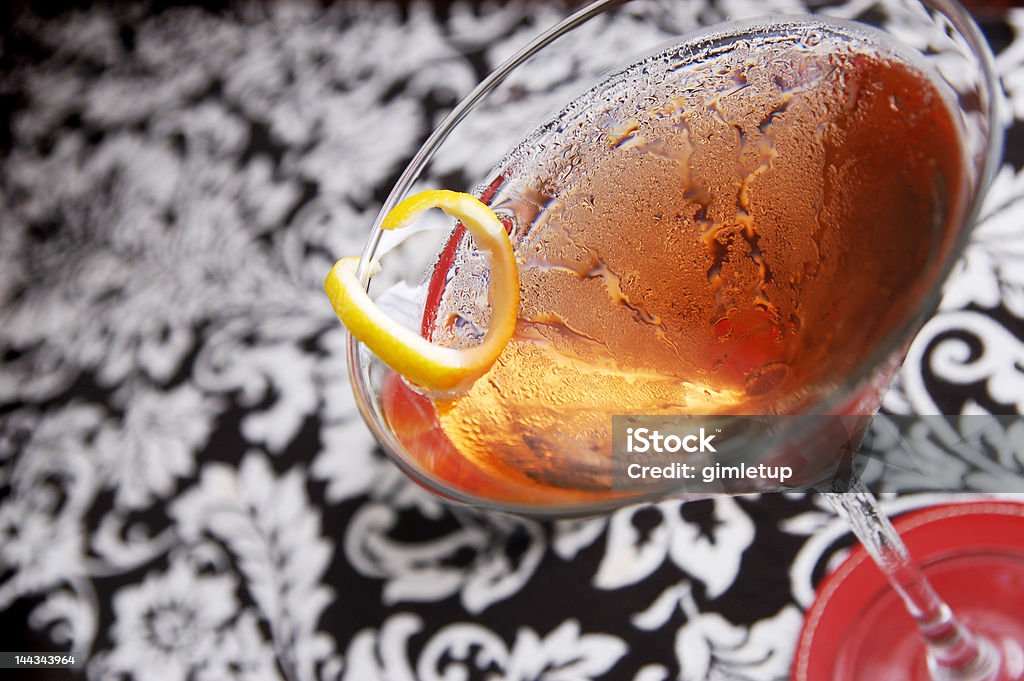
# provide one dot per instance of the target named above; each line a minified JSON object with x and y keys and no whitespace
{"x":973,"y":553}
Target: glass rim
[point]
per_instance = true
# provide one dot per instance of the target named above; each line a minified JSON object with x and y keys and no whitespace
{"x":901,"y":333}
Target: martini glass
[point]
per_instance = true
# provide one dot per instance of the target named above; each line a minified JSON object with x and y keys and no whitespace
{"x":531,"y":88}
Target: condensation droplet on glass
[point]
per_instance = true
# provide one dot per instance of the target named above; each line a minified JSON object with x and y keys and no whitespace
{"x":812,"y":39}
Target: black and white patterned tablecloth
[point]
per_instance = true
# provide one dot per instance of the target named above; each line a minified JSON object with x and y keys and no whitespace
{"x":186,"y":490}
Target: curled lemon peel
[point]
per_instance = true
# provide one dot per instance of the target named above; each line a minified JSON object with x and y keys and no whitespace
{"x":426,"y":364}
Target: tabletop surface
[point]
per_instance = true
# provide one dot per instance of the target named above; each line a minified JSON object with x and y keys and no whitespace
{"x":186,"y":489}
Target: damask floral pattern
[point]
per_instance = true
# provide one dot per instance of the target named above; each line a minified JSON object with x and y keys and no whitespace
{"x":186,"y":488}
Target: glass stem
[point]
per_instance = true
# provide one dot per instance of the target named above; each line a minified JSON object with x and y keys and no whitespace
{"x":954,"y":652}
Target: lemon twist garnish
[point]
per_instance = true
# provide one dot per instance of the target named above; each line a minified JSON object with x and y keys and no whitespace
{"x":428,"y":365}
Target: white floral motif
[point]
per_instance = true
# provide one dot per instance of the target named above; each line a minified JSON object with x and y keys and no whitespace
{"x":715,"y":560}
{"x":991,"y":269}
{"x":273,"y":370}
{"x":346,"y":461}
{"x":381,"y":655}
{"x":1009,"y":64}
{"x":321,"y":230}
{"x":572,"y":536}
{"x":155,"y":443}
{"x":53,"y":482}
{"x":71,"y":616}
{"x":38,"y":547}
{"x":471,"y":30}
{"x":276,"y":540}
{"x":241,"y":654}
{"x":367,"y":163}
{"x":167,"y":627}
{"x":146,"y":287}
{"x":423,"y":571}
{"x":710,"y":648}
{"x":564,"y":654}
{"x":998,"y":364}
